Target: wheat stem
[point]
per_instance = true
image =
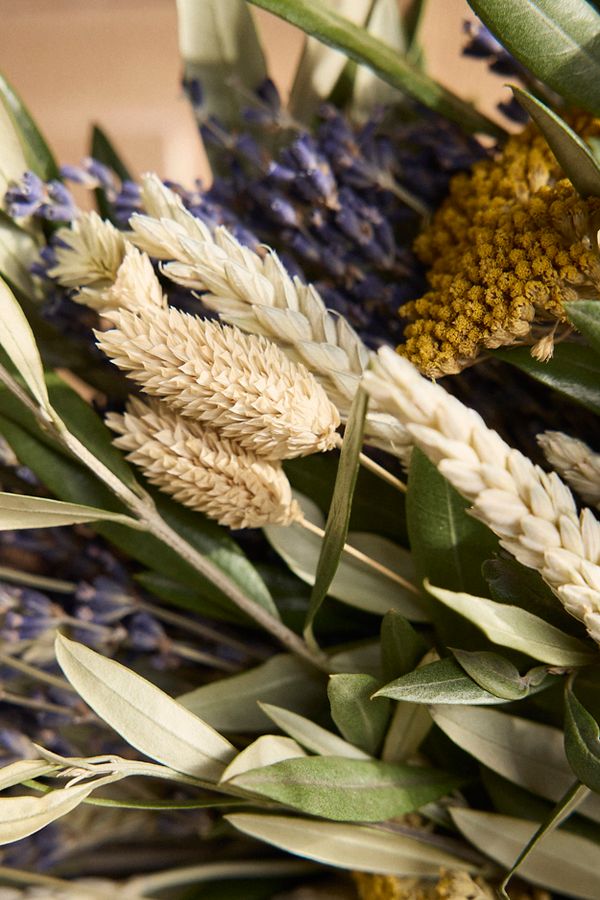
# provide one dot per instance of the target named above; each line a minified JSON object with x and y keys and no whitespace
{"x":363,"y":558}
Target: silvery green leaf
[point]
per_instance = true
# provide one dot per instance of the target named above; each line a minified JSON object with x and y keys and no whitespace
{"x":20,"y":511}
{"x":409,"y":726}
{"x":499,"y":676}
{"x":17,"y":339}
{"x":573,"y":155}
{"x":264,"y":751}
{"x":385,"y":23}
{"x":562,"y":862}
{"x":37,"y":154}
{"x":584,"y":316}
{"x":320,"y":66}
{"x":442,"y":681}
{"x":357,"y":847}
{"x":511,"y":626}
{"x":22,"y":816}
{"x":582,"y":742}
{"x":527,"y":753}
{"x":23,"y":770}
{"x":143,"y":715}
{"x":554,"y":39}
{"x":351,"y":790}
{"x":232,"y":704}
{"x":311,"y":735}
{"x":219,"y":44}
{"x":361,"y":720}
{"x":12,"y":159}
{"x":18,"y":251}
{"x":354,"y":582}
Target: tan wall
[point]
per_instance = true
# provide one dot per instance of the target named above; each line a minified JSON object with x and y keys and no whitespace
{"x":116,"y":62}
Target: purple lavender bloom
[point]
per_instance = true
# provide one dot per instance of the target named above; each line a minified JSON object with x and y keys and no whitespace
{"x":26,"y":196}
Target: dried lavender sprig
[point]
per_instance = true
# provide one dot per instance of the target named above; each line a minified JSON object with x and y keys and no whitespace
{"x":533,"y":512}
{"x":575,"y":462}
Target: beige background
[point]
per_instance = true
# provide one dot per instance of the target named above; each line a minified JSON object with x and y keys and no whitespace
{"x":116,"y":62}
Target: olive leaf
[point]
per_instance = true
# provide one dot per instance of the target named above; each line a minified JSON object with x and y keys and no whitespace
{"x":143,"y":715}
{"x":334,"y":844}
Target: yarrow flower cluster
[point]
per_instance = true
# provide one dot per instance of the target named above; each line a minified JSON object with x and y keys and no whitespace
{"x":512,"y":243}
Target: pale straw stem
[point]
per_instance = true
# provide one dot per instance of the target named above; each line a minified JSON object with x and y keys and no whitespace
{"x":363,"y":558}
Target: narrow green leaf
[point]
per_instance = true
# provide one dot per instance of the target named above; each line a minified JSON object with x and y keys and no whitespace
{"x":573,"y":371}
{"x":443,"y":681}
{"x":143,"y":715}
{"x":348,"y":790}
{"x":511,"y":626}
{"x":527,"y":753}
{"x":582,"y":742}
{"x":22,"y":816}
{"x":338,"y":519}
{"x":573,"y":154}
{"x":18,"y":511}
{"x":565,"y":806}
{"x":555,"y":39}
{"x":499,"y":676}
{"x":103,"y":149}
{"x":193,"y":599}
{"x":232,"y":704}
{"x":585,"y":316}
{"x":39,"y":156}
{"x":266,"y":750}
{"x":365,"y":849}
{"x":361,"y":720}
{"x":311,"y":735}
{"x":323,"y":23}
{"x":563,"y":862}
{"x":18,"y":341}
{"x":12,"y":158}
{"x":401,"y":646}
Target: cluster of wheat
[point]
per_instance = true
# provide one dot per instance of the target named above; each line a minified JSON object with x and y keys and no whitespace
{"x":230,"y":406}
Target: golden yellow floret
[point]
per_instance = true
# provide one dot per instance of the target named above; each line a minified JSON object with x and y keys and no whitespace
{"x":510,"y":245}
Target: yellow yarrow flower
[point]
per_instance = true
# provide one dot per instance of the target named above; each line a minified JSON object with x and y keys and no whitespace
{"x":450,"y":886}
{"x":511,"y":244}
